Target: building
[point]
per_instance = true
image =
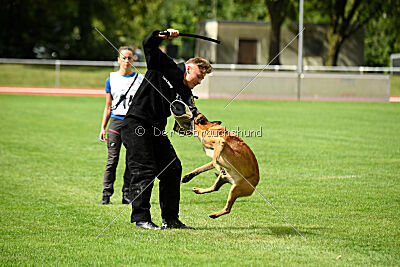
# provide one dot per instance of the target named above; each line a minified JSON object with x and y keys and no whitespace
{"x":247,"y":42}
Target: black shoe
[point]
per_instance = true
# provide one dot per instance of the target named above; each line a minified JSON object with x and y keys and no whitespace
{"x":147,"y":225}
{"x":176,"y":224}
{"x":125,"y":200}
{"x":105,"y":200}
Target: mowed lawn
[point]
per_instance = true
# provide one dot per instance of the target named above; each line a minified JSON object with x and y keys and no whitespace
{"x":45,"y":75}
{"x":332,"y":169}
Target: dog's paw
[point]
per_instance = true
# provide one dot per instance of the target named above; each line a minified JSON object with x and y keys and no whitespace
{"x":196,"y":190}
{"x":187,"y":178}
{"x":213,"y":216}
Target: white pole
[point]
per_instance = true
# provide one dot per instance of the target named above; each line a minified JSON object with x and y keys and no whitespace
{"x":57,"y":63}
{"x":391,"y":64}
{"x":300,"y":51}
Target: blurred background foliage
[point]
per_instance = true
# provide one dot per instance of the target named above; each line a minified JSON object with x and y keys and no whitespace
{"x":64,"y":29}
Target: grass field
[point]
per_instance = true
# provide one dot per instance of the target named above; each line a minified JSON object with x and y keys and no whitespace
{"x":45,"y":75}
{"x":79,"y":76}
{"x":333,"y":169}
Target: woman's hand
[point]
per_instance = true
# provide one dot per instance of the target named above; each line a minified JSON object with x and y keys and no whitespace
{"x":102,"y":136}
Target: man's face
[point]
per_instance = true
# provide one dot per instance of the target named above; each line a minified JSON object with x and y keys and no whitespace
{"x":193,"y":76}
{"x":125,"y":58}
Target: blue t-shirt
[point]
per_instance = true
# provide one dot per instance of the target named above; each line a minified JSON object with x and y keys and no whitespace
{"x":108,"y":90}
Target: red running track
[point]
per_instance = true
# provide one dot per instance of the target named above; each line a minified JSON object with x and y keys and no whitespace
{"x":77,"y":91}
{"x":51,"y":91}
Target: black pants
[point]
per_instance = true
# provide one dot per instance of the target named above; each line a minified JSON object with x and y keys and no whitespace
{"x":114,"y":148}
{"x":150,"y":154}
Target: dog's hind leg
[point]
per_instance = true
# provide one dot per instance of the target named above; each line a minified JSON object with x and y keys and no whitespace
{"x":217,"y":185}
{"x":196,"y":172}
{"x":234,"y":193}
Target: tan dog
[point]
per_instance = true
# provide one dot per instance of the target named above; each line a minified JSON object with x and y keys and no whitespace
{"x":231,"y":156}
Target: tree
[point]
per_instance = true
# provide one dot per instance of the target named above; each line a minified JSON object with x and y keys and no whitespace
{"x":65,"y":29}
{"x":52,"y":29}
{"x":278,"y":12}
{"x":29,"y":26}
{"x":345,"y":17}
{"x":139,"y":17}
{"x":382,"y":36}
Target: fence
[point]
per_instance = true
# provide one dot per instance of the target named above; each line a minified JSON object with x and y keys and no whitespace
{"x":290,"y":86}
{"x":274,"y":82}
{"x":58,"y":63}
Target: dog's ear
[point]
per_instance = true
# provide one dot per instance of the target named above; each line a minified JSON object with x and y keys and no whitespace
{"x":200,"y":119}
{"x":217,"y":122}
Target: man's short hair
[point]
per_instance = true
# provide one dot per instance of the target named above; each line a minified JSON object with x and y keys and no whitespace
{"x":202,"y":63}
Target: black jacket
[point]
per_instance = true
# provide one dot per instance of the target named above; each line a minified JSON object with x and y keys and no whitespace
{"x":163,"y":84}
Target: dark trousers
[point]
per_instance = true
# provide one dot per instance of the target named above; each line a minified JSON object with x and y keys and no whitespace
{"x":114,"y":147}
{"x":150,"y":154}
